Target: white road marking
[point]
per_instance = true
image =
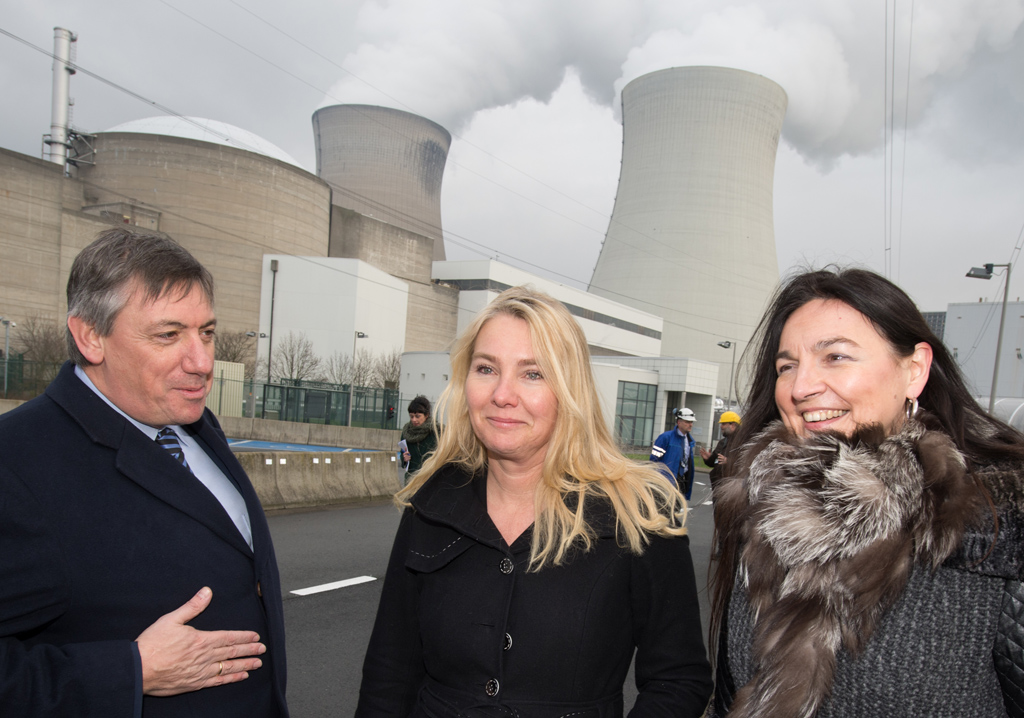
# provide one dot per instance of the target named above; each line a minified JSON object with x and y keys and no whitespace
{"x":332,"y":586}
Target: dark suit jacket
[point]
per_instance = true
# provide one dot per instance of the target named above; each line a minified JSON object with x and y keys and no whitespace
{"x":101,"y":533}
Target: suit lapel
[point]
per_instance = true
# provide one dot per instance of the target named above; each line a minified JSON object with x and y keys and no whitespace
{"x":140,"y":459}
{"x":145,"y":463}
{"x":208,"y":433}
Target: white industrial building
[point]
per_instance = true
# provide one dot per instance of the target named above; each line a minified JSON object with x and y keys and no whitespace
{"x":329,"y":300}
{"x":970,"y":334}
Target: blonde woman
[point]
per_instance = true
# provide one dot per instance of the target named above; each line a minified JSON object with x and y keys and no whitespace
{"x":533,"y":559}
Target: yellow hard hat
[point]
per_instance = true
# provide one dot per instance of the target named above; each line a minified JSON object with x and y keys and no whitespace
{"x":729,"y":417}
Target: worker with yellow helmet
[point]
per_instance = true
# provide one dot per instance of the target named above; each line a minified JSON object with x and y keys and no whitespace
{"x":716,"y":458}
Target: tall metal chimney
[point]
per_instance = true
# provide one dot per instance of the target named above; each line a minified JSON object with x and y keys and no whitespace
{"x":62,"y":73}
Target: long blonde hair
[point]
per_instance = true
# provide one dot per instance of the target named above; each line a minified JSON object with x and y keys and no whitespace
{"x":583,"y":462}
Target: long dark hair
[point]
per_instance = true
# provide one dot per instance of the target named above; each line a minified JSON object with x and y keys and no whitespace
{"x":981,"y":438}
{"x":895,"y":316}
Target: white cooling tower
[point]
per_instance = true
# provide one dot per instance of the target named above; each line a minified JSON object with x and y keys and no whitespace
{"x":692,"y":236}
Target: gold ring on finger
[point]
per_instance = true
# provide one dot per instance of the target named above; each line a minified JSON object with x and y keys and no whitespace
{"x":220,"y":670}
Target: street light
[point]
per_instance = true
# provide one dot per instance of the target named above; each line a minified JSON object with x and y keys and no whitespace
{"x":252,"y":382}
{"x":273,"y":291}
{"x":986,"y":273}
{"x":7,"y":347}
{"x":352,"y":379}
{"x":732,"y":369}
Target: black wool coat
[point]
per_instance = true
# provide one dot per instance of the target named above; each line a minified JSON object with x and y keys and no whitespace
{"x":464,"y":629}
{"x":101,"y":533}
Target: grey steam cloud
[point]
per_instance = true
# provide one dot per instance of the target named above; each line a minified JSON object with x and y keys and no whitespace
{"x":449,"y":59}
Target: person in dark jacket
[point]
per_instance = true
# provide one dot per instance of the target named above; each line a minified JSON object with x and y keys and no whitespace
{"x":139,"y":577}
{"x":871,"y":535}
{"x":420,"y":435}
{"x":716,"y":458}
{"x":533,"y":560}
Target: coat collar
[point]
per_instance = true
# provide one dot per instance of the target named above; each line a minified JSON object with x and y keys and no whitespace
{"x":458,"y":499}
{"x":831,"y":528}
{"x":139,"y":459}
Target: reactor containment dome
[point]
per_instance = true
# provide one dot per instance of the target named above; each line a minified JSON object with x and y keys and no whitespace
{"x":691,"y":237}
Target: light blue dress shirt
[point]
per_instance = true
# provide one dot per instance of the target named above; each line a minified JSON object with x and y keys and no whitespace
{"x":202,"y":466}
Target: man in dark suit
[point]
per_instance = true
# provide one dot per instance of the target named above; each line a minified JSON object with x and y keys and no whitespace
{"x":138,"y":574}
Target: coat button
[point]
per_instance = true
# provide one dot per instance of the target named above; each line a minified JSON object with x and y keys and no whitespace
{"x":508,"y":641}
{"x":506,"y":565}
{"x":491,"y":688}
{"x":259,"y":590}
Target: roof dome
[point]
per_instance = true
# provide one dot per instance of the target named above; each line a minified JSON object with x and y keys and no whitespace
{"x":198,"y":128}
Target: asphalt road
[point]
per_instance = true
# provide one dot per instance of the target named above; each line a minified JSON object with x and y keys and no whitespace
{"x":328,"y":631}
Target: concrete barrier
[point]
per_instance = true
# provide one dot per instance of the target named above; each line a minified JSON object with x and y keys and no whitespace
{"x":9,"y":404}
{"x":287,"y":479}
{"x":290,"y":479}
{"x":290,"y":432}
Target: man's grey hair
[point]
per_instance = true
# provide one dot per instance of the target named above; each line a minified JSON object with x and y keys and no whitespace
{"x":119,"y":260}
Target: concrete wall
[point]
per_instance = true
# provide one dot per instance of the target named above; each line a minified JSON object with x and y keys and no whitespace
{"x":387,"y":247}
{"x":30,"y":216}
{"x":431,"y":317}
{"x":294,"y":480}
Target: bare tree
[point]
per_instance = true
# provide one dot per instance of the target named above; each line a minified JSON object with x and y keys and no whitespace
{"x":388,"y":369}
{"x":339,"y":369}
{"x":363,"y":369}
{"x":237,"y":347}
{"x":294,"y":358}
{"x":42,"y":340}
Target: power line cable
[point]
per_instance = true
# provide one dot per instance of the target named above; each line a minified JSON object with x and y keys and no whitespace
{"x":395,"y":212}
{"x":906,"y":125}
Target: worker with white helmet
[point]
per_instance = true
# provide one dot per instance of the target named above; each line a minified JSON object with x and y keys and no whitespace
{"x":674,"y":448}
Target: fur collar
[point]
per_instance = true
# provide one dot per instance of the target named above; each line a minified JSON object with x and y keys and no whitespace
{"x":829,"y":531}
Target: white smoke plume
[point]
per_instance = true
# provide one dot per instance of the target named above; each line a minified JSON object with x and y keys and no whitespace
{"x":448,"y":60}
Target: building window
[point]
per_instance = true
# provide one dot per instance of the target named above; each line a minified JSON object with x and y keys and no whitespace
{"x":634,"y":413}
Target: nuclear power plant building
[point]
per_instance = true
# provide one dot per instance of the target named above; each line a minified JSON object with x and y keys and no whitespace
{"x":353,"y":255}
{"x":691,"y":237}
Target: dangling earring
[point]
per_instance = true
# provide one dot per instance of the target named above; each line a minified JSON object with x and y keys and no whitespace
{"x":911,"y":407}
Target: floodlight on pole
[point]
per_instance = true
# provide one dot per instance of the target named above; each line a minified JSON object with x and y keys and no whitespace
{"x":986,"y":273}
{"x":732,"y":369}
{"x":352,"y":379}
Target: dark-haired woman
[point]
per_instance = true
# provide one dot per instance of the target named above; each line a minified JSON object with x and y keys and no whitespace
{"x":872,"y":530}
{"x":420,"y":435}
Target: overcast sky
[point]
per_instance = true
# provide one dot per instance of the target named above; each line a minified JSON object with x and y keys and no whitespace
{"x":530,"y":92}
